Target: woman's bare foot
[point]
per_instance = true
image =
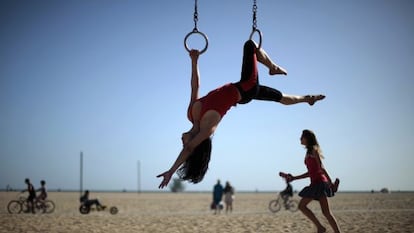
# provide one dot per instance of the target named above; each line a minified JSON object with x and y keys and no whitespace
{"x":277,"y":70}
{"x":311,"y":99}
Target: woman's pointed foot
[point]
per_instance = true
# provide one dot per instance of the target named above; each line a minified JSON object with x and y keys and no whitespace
{"x":312,"y":99}
{"x":277,"y":70}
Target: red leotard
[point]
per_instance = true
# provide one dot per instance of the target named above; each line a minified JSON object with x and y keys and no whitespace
{"x":314,"y":169}
{"x":220,"y":100}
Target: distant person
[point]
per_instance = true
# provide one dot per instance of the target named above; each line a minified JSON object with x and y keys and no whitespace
{"x":287,"y":193}
{"x":32,"y":195}
{"x":228,"y":197}
{"x":321,"y":186}
{"x":89,"y":202}
{"x":43,"y":192}
{"x":43,"y":195}
{"x":217,"y":197}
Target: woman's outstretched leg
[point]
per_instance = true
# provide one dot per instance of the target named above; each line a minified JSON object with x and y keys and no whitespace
{"x":270,"y":94}
{"x":295,"y":99}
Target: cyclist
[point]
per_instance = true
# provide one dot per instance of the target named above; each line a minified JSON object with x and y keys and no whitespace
{"x":31,"y":197}
{"x":287,"y":193}
{"x":88,"y":202}
{"x":43,"y":195}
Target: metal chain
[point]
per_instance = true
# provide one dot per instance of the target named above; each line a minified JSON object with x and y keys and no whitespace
{"x":195,"y":15}
{"x":254,"y":15}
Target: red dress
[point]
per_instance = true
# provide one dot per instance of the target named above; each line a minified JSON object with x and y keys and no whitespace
{"x":315,"y":170}
{"x":319,"y":186}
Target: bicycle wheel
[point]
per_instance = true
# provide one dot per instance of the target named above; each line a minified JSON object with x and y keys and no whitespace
{"x":113,"y":210}
{"x":274,"y":206}
{"x":293,"y":205}
{"x":14,"y":207}
{"x":48,"y":206}
{"x":84,"y":209}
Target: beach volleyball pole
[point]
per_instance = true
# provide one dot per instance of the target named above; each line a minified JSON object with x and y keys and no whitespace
{"x":81,"y":173}
{"x":138,"y":177}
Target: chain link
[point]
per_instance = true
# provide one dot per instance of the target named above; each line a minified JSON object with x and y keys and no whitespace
{"x":254,"y":15}
{"x":195,"y":15}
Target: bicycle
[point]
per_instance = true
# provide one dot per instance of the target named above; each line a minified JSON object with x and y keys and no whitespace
{"x":276,"y":204}
{"x":21,"y":205}
{"x":85,"y":209}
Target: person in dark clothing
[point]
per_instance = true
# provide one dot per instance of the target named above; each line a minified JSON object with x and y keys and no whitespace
{"x":89,"y":202}
{"x":287,"y":193}
{"x":217,"y":197}
{"x":32,"y":195}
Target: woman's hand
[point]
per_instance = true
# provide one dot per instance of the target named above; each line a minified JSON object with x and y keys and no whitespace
{"x":287,"y":176}
{"x":167,"y":177}
{"x":194,"y":54}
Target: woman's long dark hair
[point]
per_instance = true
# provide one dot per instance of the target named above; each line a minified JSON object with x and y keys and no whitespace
{"x":312,"y":142}
{"x":196,"y":165}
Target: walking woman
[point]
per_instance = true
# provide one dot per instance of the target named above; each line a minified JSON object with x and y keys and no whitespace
{"x":321,"y":186}
{"x":206,"y":113}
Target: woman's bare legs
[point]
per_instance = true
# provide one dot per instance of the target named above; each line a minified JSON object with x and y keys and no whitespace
{"x":294,"y":99}
{"x":327,"y":213}
{"x":303,"y":206}
{"x":263,"y":58}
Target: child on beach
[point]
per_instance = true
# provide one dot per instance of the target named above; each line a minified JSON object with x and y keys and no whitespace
{"x":321,"y":186}
{"x":43,"y":192}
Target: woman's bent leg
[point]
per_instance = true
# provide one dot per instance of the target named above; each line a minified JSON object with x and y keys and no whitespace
{"x":265,"y":59}
{"x":303,"y":206}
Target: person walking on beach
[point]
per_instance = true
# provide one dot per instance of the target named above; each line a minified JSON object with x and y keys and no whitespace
{"x":228,"y":197}
{"x":321,"y":186}
{"x":217,"y":197}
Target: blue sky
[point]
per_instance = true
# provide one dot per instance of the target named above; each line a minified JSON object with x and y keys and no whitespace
{"x":112,"y":79}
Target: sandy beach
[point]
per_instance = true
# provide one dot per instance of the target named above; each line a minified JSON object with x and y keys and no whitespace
{"x":189,"y":212}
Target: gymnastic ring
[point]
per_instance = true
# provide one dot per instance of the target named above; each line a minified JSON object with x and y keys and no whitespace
{"x":260,"y":36}
{"x":195,"y":31}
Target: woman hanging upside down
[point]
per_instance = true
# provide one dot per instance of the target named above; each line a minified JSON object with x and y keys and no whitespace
{"x":206,"y":112}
